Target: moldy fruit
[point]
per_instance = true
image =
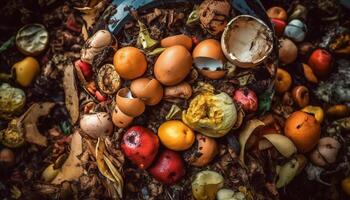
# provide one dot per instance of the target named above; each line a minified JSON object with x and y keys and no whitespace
{"x":140,"y":145}
{"x":169,"y":168}
{"x":247,"y":99}
{"x":283,"y":81}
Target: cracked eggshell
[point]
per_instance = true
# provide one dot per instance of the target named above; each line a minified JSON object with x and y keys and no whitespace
{"x":97,"y":124}
{"x":209,"y":59}
{"x":120,"y":119}
{"x":247,"y":41}
{"x":128,"y":104}
{"x":173,"y":65}
{"x":148,"y":90}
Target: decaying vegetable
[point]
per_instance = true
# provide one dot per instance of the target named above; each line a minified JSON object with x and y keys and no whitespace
{"x":32,"y":39}
{"x":144,"y":38}
{"x":108,"y":80}
{"x":193,"y":17}
{"x":211,"y":114}
{"x":206,"y":184}
{"x":174,"y":113}
{"x":12,"y":136}
{"x":288,"y":171}
{"x":72,"y":168}
{"x":245,"y":133}
{"x":49,"y":173}
{"x":326,"y":151}
{"x":71,"y":93}
{"x":182,"y":90}
{"x":12,"y":100}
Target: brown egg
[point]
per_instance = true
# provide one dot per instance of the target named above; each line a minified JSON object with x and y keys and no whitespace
{"x":128,"y":104}
{"x":130,"y":62}
{"x":120,"y":119}
{"x":148,"y":90}
{"x":204,"y":151}
{"x":209,"y":59}
{"x":182,"y":39}
{"x":173,"y":65}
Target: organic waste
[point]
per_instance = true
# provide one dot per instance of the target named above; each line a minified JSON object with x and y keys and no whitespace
{"x":176,"y":100}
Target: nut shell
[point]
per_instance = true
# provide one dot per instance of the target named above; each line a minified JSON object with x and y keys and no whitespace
{"x":182,"y":39}
{"x":108,"y":80}
{"x":129,"y":105}
{"x":173,"y":65}
{"x":148,"y":90}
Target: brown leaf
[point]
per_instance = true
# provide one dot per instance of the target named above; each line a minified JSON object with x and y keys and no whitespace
{"x":71,"y":93}
{"x":72,"y":169}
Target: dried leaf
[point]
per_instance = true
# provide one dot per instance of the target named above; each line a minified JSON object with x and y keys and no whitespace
{"x":283,"y":144}
{"x":245,"y":133}
{"x":102,"y":166}
{"x":71,"y":93}
{"x":117,"y":176}
{"x":193,"y":17}
{"x":144,"y":39}
{"x":72,"y":169}
{"x":29,"y":120}
{"x":90,"y":15}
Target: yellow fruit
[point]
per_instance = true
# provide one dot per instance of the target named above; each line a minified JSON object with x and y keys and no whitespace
{"x":316,"y":111}
{"x":26,"y":70}
{"x":176,"y":135}
{"x":345,"y":184}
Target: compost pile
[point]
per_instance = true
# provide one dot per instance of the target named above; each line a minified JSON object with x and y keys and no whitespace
{"x":185,"y":102}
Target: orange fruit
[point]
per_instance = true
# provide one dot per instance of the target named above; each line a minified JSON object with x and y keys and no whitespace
{"x":176,"y":135}
{"x":283,"y":81}
{"x":130,"y":62}
{"x":303,"y":129}
{"x":345,"y":184}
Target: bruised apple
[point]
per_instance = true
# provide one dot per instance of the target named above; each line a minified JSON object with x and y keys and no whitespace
{"x":169,"y":168}
{"x":140,"y":145}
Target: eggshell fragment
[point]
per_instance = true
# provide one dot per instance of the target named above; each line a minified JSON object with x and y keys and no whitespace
{"x":173,"y":65}
{"x":97,"y":124}
{"x":120,"y":119}
{"x":182,"y":39}
{"x":128,"y":104}
{"x":148,"y":90}
{"x":209,"y":59}
{"x":247,"y":41}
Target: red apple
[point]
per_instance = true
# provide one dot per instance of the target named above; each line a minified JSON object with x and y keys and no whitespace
{"x":279,"y":26}
{"x":321,"y":62}
{"x":247,"y":99}
{"x":169,"y":168}
{"x":140,"y":145}
{"x":84,"y":68}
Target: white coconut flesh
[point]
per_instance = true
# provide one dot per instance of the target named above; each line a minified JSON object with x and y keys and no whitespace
{"x":247,"y":41}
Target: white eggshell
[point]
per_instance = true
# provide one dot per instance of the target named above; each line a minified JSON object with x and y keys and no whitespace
{"x":97,"y":124}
